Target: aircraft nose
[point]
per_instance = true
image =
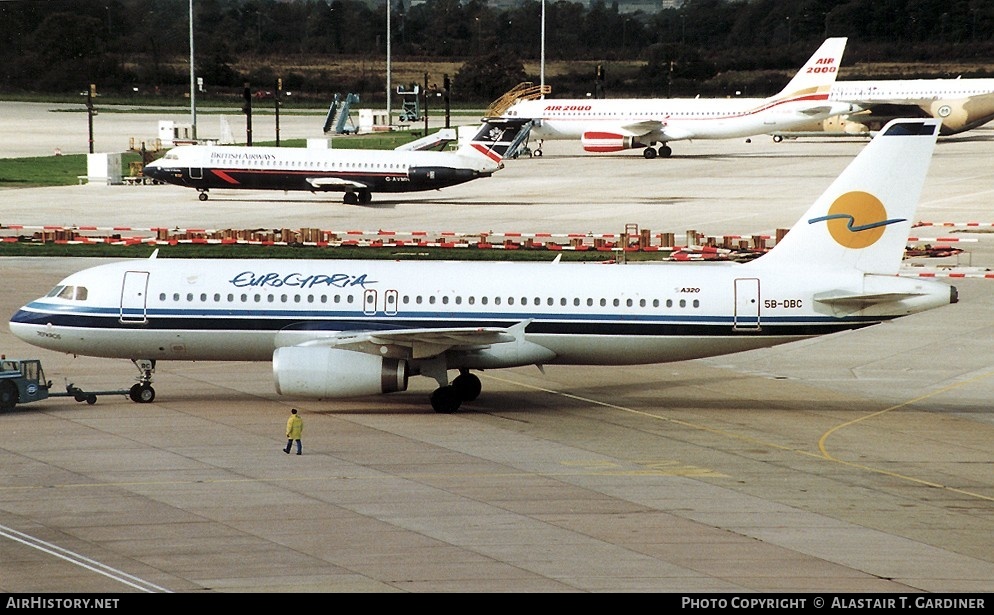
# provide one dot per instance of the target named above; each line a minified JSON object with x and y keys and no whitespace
{"x":152,"y":170}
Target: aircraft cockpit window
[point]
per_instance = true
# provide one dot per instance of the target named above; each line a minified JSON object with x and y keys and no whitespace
{"x":77,"y":293}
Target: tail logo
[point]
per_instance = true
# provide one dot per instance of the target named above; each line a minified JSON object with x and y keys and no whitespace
{"x":856,"y":220}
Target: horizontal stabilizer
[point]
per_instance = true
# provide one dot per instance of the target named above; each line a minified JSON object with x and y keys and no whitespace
{"x":856,"y":299}
{"x":434,"y":141}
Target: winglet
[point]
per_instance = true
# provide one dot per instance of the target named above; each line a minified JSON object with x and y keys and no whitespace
{"x":819,"y":72}
{"x":862,"y":221}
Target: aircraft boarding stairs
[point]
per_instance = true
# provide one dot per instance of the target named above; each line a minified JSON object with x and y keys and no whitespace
{"x":525,"y":90}
{"x":342,"y":114}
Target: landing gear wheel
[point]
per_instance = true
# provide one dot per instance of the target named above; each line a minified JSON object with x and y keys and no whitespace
{"x":777,"y":138}
{"x":8,"y":395}
{"x":364,"y":197}
{"x":665,"y":151}
{"x":445,"y":400}
{"x":468,"y":386}
{"x":141,"y":393}
{"x":203,"y":196}
{"x":538,"y":153}
{"x":350,"y":198}
{"x":91,"y":399}
{"x":649,"y":153}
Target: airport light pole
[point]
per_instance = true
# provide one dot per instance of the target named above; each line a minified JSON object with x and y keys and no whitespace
{"x":541,"y":78}
{"x":389,"y":119}
{"x":193,"y":84}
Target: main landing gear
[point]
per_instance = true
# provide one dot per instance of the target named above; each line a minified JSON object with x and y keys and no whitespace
{"x":664,"y":151}
{"x":203,"y":194}
{"x":142,"y":392}
{"x":361,"y":197}
{"x":447,"y":399}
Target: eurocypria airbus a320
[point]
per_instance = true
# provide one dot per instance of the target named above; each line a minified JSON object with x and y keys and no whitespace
{"x":343,"y":328}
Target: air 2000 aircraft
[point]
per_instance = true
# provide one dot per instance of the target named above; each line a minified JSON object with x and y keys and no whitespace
{"x":612,"y":125}
{"x":354,"y":328}
{"x":357,"y":173}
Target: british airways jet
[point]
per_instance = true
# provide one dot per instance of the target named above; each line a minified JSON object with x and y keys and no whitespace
{"x":344,"y":328}
{"x":358,"y":173}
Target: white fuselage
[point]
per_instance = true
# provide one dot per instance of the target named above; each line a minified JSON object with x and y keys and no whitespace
{"x":908,"y":91}
{"x":579,"y":313}
{"x":666,"y":119}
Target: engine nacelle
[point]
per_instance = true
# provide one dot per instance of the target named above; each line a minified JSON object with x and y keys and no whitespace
{"x":962,"y":114}
{"x":608,"y":142}
{"x":318,"y":371}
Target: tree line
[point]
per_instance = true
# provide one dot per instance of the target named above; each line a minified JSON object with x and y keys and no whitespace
{"x":59,"y":46}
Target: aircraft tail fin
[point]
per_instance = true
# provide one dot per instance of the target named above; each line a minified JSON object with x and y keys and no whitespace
{"x":862,"y":221}
{"x":498,"y":138}
{"x":818,"y":73}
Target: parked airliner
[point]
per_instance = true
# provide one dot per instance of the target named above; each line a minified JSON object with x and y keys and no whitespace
{"x":611,"y":125}
{"x":342,"y":328}
{"x":961,"y":104}
{"x":356,"y":172}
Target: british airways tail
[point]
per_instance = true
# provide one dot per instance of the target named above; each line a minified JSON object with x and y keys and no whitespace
{"x":816,"y":77}
{"x":863,"y":219}
{"x":498,"y":138}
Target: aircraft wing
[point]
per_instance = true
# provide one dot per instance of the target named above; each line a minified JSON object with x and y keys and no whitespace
{"x":641,"y":128}
{"x":331,"y":183}
{"x":416,"y":343}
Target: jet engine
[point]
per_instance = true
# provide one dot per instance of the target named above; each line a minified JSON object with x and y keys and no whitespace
{"x":960,"y":115}
{"x":608,"y":142}
{"x":319,"y":371}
